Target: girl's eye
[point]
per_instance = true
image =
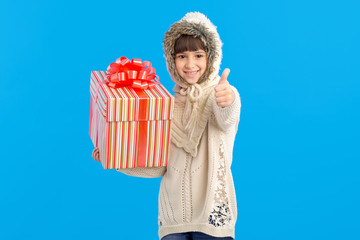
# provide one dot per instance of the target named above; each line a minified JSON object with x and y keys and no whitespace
{"x":199,"y":56}
{"x":181,"y":56}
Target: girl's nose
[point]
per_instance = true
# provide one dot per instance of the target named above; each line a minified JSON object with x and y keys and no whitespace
{"x":189,"y":63}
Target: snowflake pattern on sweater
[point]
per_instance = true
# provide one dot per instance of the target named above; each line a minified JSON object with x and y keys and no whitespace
{"x":220,"y":215}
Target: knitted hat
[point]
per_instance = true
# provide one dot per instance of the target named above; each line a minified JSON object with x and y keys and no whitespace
{"x":197,"y":25}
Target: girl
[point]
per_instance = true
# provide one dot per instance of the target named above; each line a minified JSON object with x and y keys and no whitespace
{"x":197,"y":196}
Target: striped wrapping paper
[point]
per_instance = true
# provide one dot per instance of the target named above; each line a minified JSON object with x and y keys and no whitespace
{"x":130,"y":126}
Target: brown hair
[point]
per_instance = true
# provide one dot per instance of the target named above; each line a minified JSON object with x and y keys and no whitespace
{"x":188,"y":43}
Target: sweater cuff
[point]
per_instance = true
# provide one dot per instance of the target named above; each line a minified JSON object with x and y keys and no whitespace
{"x":145,"y":172}
{"x":228,"y":115}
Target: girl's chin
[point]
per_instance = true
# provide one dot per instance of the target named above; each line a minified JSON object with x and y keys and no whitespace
{"x":191,"y":80}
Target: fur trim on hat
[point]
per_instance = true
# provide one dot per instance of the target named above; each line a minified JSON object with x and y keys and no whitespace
{"x":195,"y":24}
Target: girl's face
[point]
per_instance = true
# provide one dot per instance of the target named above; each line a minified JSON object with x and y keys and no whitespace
{"x":191,"y":65}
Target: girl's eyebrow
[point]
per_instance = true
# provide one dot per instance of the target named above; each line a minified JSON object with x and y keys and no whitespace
{"x":183,"y":53}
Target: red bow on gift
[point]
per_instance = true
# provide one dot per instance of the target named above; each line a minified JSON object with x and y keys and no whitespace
{"x":132,"y":73}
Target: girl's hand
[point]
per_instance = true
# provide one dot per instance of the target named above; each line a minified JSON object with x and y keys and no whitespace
{"x":96,"y":154}
{"x":223,"y":92}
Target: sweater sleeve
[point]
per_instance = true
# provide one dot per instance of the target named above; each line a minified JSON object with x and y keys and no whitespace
{"x":230,"y":115}
{"x":148,"y":172}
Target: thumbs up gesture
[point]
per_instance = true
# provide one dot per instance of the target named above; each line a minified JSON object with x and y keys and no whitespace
{"x":223,"y":92}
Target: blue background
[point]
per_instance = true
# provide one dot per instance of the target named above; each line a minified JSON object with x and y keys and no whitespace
{"x":296,"y":160}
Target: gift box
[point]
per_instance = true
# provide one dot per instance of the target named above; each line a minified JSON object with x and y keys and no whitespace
{"x":130,"y":118}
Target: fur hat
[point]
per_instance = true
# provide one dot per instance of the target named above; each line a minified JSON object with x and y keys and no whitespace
{"x":195,"y":24}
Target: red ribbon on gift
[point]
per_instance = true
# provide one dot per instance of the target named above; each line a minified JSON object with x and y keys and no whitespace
{"x":132,"y":73}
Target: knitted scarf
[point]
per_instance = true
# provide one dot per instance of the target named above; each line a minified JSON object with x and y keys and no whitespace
{"x":191,"y":113}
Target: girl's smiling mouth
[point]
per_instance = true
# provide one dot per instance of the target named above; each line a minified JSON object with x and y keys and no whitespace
{"x":191,"y":73}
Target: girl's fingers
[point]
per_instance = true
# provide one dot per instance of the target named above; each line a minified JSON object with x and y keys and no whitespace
{"x":227,"y":92}
{"x":223,"y":100}
{"x":221,"y":87}
{"x":95,"y":154}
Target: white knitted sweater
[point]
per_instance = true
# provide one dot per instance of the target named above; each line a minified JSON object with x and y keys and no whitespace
{"x":197,"y":193}
{"x":197,"y":190}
